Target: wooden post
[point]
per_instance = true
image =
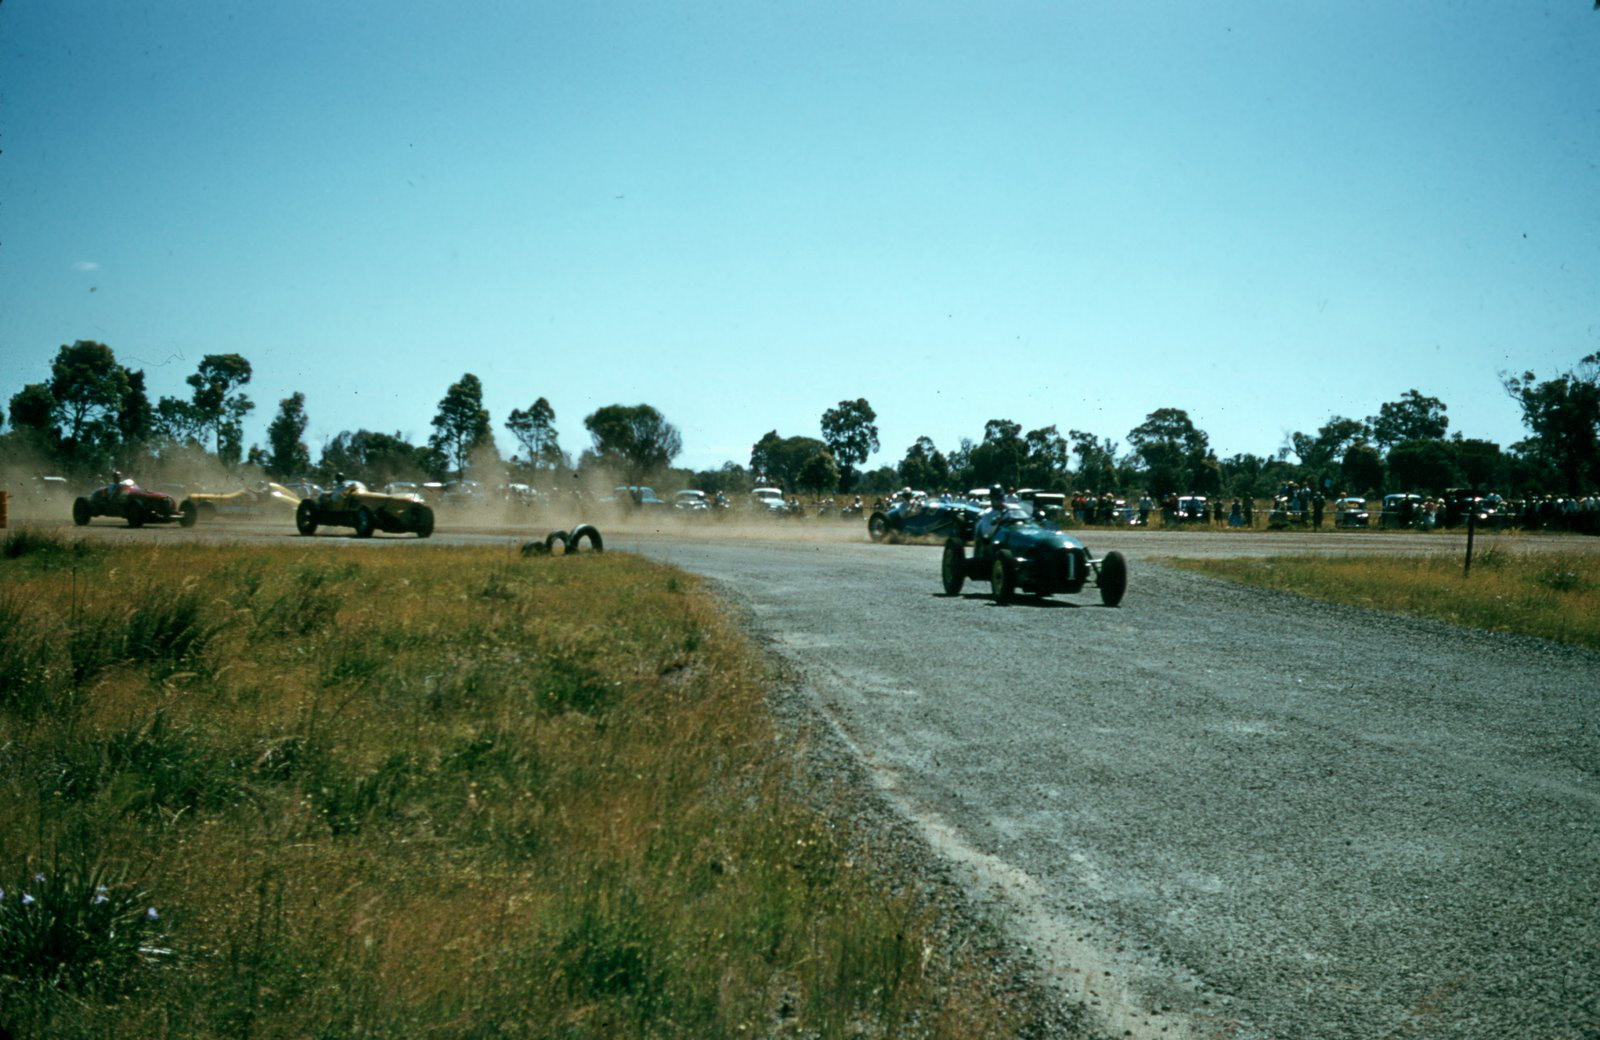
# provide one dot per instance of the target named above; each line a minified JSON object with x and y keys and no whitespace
{"x":4,"y":510}
{"x":1472,"y":525}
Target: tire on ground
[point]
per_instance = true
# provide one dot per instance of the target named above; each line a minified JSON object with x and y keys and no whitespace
{"x":553,"y":539}
{"x":366,"y":523}
{"x":420,"y":520}
{"x":581,"y":532}
{"x":305,"y":517}
{"x":81,"y":511}
{"x":878,"y":527}
{"x":188,"y":513}
{"x":1003,"y":576}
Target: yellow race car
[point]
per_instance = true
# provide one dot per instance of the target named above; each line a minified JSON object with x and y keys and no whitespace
{"x":263,"y":499}
{"x":350,"y":504}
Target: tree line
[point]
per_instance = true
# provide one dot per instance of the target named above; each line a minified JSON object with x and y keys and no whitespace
{"x":92,"y":414}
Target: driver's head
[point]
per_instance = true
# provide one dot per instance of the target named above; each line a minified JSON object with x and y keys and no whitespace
{"x":997,"y":496}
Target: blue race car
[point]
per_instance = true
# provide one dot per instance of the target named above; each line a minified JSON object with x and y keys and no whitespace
{"x":913,"y":514}
{"x":1017,"y":549}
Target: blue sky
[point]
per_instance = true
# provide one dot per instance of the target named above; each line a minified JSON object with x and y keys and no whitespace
{"x":1054,"y":213}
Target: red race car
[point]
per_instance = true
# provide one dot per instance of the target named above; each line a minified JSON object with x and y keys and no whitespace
{"x":122,"y":497}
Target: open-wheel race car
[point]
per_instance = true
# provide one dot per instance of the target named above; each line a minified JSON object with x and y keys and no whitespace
{"x":264,"y":499}
{"x":1017,"y":550}
{"x":350,"y":504}
{"x":125,"y":499}
{"x":914,"y":515}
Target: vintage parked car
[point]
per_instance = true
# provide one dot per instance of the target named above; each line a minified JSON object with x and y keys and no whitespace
{"x":769,"y":501}
{"x":1351,"y":512}
{"x":913,"y":514}
{"x":1023,"y":550}
{"x":637,"y":496}
{"x":126,"y":499}
{"x":1191,"y":510}
{"x":692,"y":502}
{"x":1400,"y":510}
{"x":263,"y":499}
{"x":352,"y":505}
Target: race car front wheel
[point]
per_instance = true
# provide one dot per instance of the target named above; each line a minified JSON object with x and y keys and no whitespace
{"x":954,"y":567}
{"x":305,"y":517}
{"x":1113,"y":578}
{"x":80,"y":512}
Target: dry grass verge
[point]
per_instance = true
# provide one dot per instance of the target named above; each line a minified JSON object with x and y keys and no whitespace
{"x":1549,"y":595}
{"x":424,"y":791}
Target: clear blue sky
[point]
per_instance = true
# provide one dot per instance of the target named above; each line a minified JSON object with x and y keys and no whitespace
{"x":1264,"y":213}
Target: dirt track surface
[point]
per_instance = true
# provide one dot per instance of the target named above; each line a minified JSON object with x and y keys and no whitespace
{"x":1215,"y":811}
{"x":1220,"y":812}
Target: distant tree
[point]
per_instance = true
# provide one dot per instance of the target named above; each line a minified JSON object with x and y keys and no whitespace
{"x":177,"y":421}
{"x":375,"y":458}
{"x":289,"y":456}
{"x":535,"y":430}
{"x":925,"y":467}
{"x":33,"y":408}
{"x":780,"y":459}
{"x":136,"y":417}
{"x":88,"y":387}
{"x":1412,"y":418}
{"x":1426,"y":464}
{"x":1482,"y":463}
{"x":637,"y":438}
{"x":999,"y":457}
{"x":218,"y":406}
{"x":462,"y":423}
{"x":1320,"y":454}
{"x":1361,"y":469}
{"x":1097,"y":461}
{"x":1047,"y":459}
{"x":851,"y":433}
{"x":1172,"y":449}
{"x":1563,"y":414}
{"x":818,"y":474}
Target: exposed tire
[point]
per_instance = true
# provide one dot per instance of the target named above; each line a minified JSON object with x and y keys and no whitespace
{"x":188,"y":513}
{"x":553,"y":539}
{"x":878,"y":527}
{"x":582,"y":531}
{"x":1003,"y":577}
{"x":953,"y":568}
{"x":420,"y":520}
{"x":305,"y":517}
{"x":534,"y":548}
{"x":80,"y":512}
{"x":134,"y":512}
{"x":1113,"y":578}
{"x":366,"y":523}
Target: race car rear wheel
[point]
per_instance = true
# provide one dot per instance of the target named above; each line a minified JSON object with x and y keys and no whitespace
{"x":1113,"y":578}
{"x":1003,"y":577}
{"x":305,"y":517}
{"x":80,"y":512}
{"x":188,"y":513}
{"x":366,"y":523}
{"x":953,"y":569}
{"x":421,"y":521}
{"x":878,"y":527}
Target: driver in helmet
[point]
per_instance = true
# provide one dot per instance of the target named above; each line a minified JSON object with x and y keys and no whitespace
{"x":990,"y":519}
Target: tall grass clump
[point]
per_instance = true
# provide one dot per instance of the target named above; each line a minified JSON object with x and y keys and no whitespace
{"x":1553,"y":595}
{"x":431,"y":791}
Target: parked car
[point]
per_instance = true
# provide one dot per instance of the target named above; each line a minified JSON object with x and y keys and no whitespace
{"x":125,"y":499}
{"x":1400,"y":510}
{"x":404,"y":489}
{"x":638,"y":496}
{"x":769,"y":500}
{"x":262,"y":499}
{"x":352,"y":505}
{"x":1191,"y":510}
{"x":1351,"y":512}
{"x":692,"y":502}
{"x":913,"y":514}
{"x":1020,"y":550}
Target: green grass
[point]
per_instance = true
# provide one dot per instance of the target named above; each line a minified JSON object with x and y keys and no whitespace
{"x":426,"y":792}
{"x":1553,"y":596}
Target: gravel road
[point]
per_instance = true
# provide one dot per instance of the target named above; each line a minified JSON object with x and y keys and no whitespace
{"x":1215,"y":811}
